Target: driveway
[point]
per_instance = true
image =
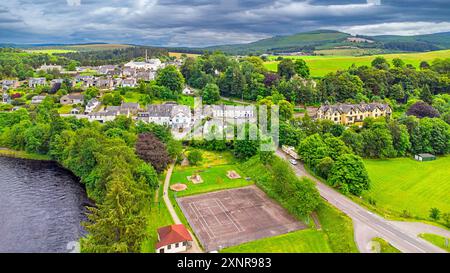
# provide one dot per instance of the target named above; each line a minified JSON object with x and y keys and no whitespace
{"x":367,"y":225}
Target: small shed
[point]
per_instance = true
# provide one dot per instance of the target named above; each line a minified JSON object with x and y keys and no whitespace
{"x":425,"y":157}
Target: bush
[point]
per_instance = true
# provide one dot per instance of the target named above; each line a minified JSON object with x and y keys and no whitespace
{"x":324,"y":167}
{"x":421,"y":110}
{"x":195,"y":157}
{"x":435,"y":214}
{"x":299,"y":196}
{"x":349,"y":175}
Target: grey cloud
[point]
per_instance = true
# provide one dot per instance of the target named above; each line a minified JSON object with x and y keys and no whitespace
{"x":206,"y":22}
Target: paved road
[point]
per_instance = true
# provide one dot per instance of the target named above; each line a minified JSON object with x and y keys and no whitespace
{"x":369,"y":225}
{"x":195,"y":246}
{"x":239,"y":101}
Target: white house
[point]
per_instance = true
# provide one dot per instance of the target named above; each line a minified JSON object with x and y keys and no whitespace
{"x":173,"y":239}
{"x":50,"y":67}
{"x":34,"y":82}
{"x":37,"y":99}
{"x":188,"y":91}
{"x":152,"y":64}
{"x":171,"y":115}
{"x":72,"y":99}
{"x":75,"y":111}
{"x":91,"y":105}
{"x":103,"y":116}
{"x":6,"y":98}
{"x":8,"y":84}
{"x":233,"y":112}
{"x":130,"y":82}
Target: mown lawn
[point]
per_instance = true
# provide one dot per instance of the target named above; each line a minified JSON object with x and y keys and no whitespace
{"x":132,"y":97}
{"x":403,"y":184}
{"x":65,"y":109}
{"x":214,"y":178}
{"x":437,"y":240}
{"x":385,"y":247}
{"x":302,"y":241}
{"x":322,"y":65}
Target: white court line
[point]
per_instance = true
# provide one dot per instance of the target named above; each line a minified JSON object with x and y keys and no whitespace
{"x":221,"y":205}
{"x":200,"y":218}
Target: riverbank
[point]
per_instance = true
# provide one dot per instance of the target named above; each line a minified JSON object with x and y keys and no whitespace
{"x":5,"y":152}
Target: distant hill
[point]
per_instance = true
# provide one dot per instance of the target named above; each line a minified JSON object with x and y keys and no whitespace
{"x":321,"y":42}
{"x":331,"y":39}
{"x":306,"y":41}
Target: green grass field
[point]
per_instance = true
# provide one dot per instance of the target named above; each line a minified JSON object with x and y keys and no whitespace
{"x":385,"y":247}
{"x":405,"y":184}
{"x":65,"y":109}
{"x":437,"y":240}
{"x":322,"y":65}
{"x":132,"y":97}
{"x":302,"y":241}
{"x":214,"y":179}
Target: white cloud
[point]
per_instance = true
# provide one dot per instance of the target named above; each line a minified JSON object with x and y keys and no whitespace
{"x":73,"y":3}
{"x":374,"y":2}
{"x":402,"y":28}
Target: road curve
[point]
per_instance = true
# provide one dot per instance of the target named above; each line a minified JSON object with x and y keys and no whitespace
{"x":367,"y":224}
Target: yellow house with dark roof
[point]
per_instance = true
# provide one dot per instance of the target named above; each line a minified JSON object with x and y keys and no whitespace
{"x":348,"y":114}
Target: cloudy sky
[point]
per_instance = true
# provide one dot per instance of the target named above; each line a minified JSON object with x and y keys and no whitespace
{"x":210,"y":22}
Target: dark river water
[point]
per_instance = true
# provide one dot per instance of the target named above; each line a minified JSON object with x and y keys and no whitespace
{"x":41,"y":207}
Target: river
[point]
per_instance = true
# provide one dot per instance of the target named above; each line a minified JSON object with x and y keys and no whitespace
{"x":41,"y":207}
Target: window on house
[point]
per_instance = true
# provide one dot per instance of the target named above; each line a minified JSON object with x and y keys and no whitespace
{"x":169,"y":246}
{"x":184,"y":243}
{"x":176,"y":245}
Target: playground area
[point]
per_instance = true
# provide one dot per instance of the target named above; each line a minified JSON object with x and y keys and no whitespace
{"x":232,"y":217}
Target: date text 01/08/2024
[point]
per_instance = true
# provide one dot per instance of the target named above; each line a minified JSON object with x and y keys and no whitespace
{"x":206,"y":264}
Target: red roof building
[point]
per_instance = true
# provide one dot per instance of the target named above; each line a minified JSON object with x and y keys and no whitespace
{"x":173,"y":239}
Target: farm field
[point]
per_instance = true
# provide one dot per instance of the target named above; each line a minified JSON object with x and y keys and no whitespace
{"x":322,"y":65}
{"x":51,"y":51}
{"x":178,"y":55}
{"x":404,"y":184}
{"x":303,"y":241}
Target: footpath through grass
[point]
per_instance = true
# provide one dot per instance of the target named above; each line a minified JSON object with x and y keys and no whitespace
{"x":158,"y":216}
{"x":437,"y":240}
{"x":405,"y":185}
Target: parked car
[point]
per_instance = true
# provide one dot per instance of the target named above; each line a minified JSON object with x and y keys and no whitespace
{"x":293,"y":161}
